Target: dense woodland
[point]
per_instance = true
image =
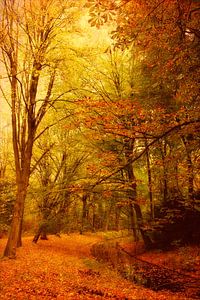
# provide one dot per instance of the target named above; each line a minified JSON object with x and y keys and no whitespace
{"x":101,"y":126}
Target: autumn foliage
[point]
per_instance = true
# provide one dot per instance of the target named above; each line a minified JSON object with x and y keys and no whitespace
{"x":103,"y":137}
{"x":63,"y":268}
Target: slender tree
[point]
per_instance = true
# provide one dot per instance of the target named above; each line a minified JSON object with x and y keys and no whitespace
{"x":28,"y":49}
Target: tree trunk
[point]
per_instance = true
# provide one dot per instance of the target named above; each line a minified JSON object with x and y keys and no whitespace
{"x":133,"y":221}
{"x":19,"y":242}
{"x":11,"y":246}
{"x":190,"y":177}
{"x":163,"y":151}
{"x":149,"y":180}
{"x":42,"y":233}
{"x":93,"y":218}
{"x":146,"y":239}
{"x":190,"y":174}
{"x":132,"y":195}
{"x":117,"y":218}
{"x":84,"y":213}
{"x":37,"y":235}
{"x":107,"y":214}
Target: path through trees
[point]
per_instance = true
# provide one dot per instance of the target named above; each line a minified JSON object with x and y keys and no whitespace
{"x":63,"y":268}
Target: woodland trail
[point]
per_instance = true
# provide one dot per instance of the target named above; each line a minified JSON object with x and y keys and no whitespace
{"x":63,"y":268}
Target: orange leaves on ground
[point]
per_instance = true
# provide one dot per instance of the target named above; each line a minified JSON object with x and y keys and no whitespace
{"x":64,"y":269}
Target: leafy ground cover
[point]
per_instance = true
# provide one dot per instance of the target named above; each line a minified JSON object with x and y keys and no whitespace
{"x":63,"y":268}
{"x":175,"y":270}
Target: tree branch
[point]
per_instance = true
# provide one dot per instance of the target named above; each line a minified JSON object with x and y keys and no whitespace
{"x":169,"y":131}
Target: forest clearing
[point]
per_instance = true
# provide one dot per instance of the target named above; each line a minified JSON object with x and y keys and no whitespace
{"x":63,"y":268}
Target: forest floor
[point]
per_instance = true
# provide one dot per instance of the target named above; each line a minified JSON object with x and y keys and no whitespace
{"x":63,"y":268}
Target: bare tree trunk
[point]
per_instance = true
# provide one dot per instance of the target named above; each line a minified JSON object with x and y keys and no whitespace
{"x":132,"y":192}
{"x":19,"y":242}
{"x":117,"y":218}
{"x":145,"y":237}
{"x":37,"y":235}
{"x":107,"y":217}
{"x":133,"y":221}
{"x":93,"y":217}
{"x":132,"y":195}
{"x":190,"y":174}
{"x":84,"y":213}
{"x":10,"y":249}
{"x":190,"y":177}
{"x":149,"y":180}
{"x":41,"y":233}
{"x":163,"y":151}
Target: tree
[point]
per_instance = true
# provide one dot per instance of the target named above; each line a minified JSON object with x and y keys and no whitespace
{"x":54,"y":176}
{"x":165,"y":38}
{"x":114,"y":115}
{"x":29,"y":54}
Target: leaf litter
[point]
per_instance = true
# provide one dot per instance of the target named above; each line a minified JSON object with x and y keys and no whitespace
{"x":63,"y":268}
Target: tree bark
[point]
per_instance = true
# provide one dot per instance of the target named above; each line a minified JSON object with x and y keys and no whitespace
{"x":132,"y":195}
{"x":133,"y":221}
{"x":37,"y":235}
{"x":117,"y":218}
{"x":163,"y":151}
{"x":19,"y":242}
{"x":149,"y":180}
{"x":93,"y":218}
{"x":84,"y":213}
{"x":41,"y":233}
{"x":107,"y":214}
{"x":190,"y":174}
{"x":10,"y":249}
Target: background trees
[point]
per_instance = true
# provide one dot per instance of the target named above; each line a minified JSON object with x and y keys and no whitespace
{"x":165,"y":37}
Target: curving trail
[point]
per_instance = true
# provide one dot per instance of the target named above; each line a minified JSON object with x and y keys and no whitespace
{"x":63,"y":268}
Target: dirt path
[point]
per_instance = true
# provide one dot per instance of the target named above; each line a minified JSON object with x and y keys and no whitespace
{"x":62,"y":268}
